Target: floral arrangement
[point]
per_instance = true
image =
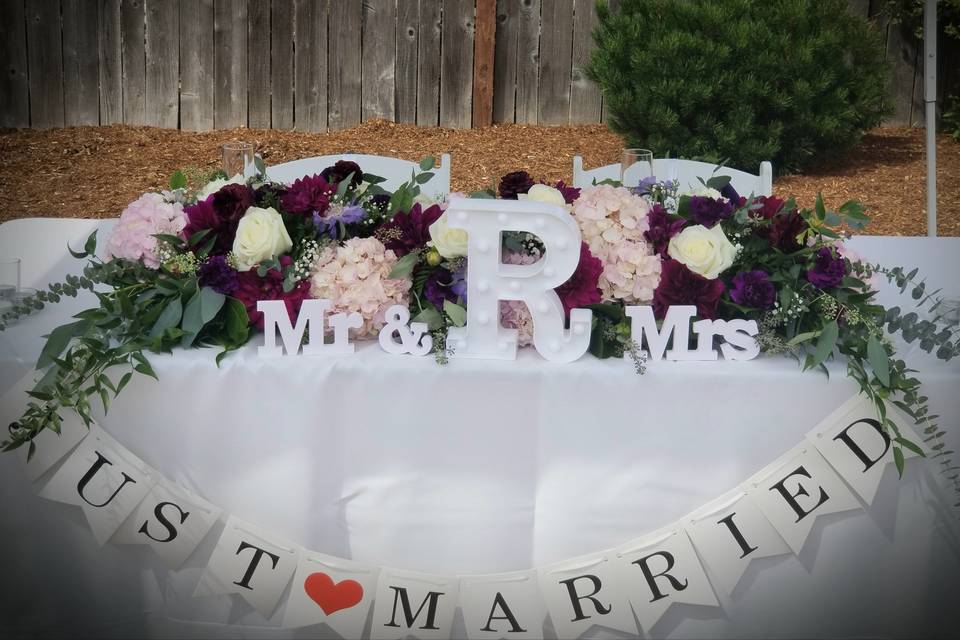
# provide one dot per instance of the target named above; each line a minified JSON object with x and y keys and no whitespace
{"x":187,"y":266}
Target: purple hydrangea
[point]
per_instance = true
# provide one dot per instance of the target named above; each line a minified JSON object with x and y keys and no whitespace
{"x":218,"y":275}
{"x":709,"y":211}
{"x":753,"y":289}
{"x":828,"y":269}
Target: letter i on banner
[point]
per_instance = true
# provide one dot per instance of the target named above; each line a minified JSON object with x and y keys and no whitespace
{"x":795,"y":490}
{"x":857,"y":446}
{"x":731,"y":532}
{"x":250,"y":562}
{"x":413,"y":604}
{"x":332,"y":591}
{"x":584,"y":592}
{"x":104,"y":479}
{"x":502,"y":605}
{"x":171,"y":520}
{"x":659,"y":570}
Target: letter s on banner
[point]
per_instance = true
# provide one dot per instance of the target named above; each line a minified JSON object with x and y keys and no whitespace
{"x":489,"y":280}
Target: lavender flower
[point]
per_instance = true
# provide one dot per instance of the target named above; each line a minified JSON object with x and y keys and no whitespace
{"x":218,"y":275}
{"x":328,"y":223}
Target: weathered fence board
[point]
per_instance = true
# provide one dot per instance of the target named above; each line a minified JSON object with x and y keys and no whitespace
{"x":258,"y":65}
{"x":163,"y":63}
{"x":343,"y":88}
{"x":378,"y":59}
{"x":196,"y":65}
{"x":456,"y":63}
{"x":310,"y":65}
{"x":44,"y":63}
{"x":134,"y":57}
{"x":405,"y":76}
{"x":428,"y":64}
{"x":81,"y":82}
{"x":230,"y":64}
{"x":314,"y":64}
{"x":281,"y":64}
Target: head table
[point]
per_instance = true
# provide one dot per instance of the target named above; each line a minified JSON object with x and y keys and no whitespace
{"x":476,"y":467}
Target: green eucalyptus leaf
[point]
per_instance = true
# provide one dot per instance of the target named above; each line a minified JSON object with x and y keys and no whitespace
{"x":57,"y":341}
{"x":879,"y":360}
{"x":169,"y":317}
{"x":456,"y":313}
{"x":825,"y":344}
{"x":403,"y":269}
{"x":178,"y":180}
{"x":431,"y":317}
{"x":427,"y":163}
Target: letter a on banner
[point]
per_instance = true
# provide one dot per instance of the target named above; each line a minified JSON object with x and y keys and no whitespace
{"x":729,"y":533}
{"x":413,"y":604}
{"x":659,"y":570}
{"x":584,"y":592}
{"x":856,"y":445}
{"x":104,"y":479}
{"x":333,"y":591}
{"x":795,"y":490}
{"x":250,"y":562}
{"x":502,"y":605}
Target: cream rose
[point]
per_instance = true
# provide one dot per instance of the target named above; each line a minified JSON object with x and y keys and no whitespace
{"x":543,"y":193}
{"x":704,"y":251}
{"x":260,"y":236}
{"x":216,"y":184}
{"x":704,"y":191}
{"x":449,"y":242}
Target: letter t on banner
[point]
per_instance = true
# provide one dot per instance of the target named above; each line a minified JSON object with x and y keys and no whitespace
{"x":489,"y":280}
{"x":250,"y":562}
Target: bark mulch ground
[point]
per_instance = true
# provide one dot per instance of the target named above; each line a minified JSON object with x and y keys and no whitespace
{"x":96,"y":171}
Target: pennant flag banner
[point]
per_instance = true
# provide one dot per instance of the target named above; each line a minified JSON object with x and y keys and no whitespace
{"x":837,"y":468}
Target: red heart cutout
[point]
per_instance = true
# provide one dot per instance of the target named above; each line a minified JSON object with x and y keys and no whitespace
{"x":332,"y":596}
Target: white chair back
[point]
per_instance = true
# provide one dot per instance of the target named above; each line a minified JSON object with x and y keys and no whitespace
{"x":395,"y":170}
{"x":687,"y":172}
{"x":41,"y":245}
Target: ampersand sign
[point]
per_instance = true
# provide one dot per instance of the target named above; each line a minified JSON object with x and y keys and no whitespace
{"x":396,"y":337}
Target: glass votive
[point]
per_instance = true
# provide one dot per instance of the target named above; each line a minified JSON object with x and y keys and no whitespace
{"x":238,"y":158}
{"x":9,"y":278}
{"x":635,"y":165}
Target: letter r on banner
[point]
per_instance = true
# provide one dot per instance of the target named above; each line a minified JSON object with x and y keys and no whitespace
{"x":489,"y":280}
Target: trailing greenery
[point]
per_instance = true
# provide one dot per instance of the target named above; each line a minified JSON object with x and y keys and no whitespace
{"x":745,"y":81}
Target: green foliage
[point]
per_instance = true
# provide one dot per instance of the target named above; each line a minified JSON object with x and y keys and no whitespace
{"x":740,"y":80}
{"x":951,"y":116}
{"x":909,"y":14}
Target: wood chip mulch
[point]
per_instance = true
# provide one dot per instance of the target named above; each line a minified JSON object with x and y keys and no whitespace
{"x":96,"y":171}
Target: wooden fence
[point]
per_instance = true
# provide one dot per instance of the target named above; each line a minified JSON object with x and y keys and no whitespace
{"x":318,"y":64}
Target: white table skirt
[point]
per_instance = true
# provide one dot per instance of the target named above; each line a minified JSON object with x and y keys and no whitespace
{"x":479,"y":466}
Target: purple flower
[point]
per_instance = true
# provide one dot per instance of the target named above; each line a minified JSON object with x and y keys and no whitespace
{"x":218,"y":275}
{"x":730,"y":193}
{"x":339,"y":172}
{"x":513,"y":183}
{"x":459,"y":285}
{"x":645,"y":186}
{"x":335,"y":214}
{"x":570,"y":194}
{"x":709,"y":211}
{"x":407,"y":232}
{"x":437,"y":287}
{"x":678,"y":285}
{"x":308,"y":194}
{"x":753,"y":289}
{"x":828,"y":269}
{"x":663,"y":226}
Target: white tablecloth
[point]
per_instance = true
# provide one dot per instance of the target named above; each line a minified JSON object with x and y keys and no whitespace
{"x":482,"y":466}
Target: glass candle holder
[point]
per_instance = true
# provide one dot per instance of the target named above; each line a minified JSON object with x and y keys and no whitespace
{"x":635,"y":165}
{"x":9,"y":278}
{"x":238,"y":158}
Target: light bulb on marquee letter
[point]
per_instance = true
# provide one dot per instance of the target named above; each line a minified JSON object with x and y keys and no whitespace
{"x":489,"y":280}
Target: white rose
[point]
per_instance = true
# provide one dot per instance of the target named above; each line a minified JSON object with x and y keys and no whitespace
{"x":543,"y":193}
{"x":704,"y":251}
{"x":704,"y":191}
{"x":260,"y":236}
{"x":216,"y":184}
{"x":449,"y":242}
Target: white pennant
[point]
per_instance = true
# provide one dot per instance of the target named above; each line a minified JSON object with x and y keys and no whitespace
{"x":796,"y":489}
{"x":171,"y":520}
{"x":103,"y":478}
{"x":250,"y":562}
{"x":414,"y":604}
{"x":502,"y":605}
{"x":334,"y":591}
{"x":52,"y":447}
{"x":729,"y":533}
{"x":585,"y":592}
{"x":659,"y":570}
{"x":851,"y":441}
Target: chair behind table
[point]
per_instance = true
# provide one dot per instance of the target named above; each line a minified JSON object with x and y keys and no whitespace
{"x":41,"y":244}
{"x":395,"y":170}
{"x":688,"y":172}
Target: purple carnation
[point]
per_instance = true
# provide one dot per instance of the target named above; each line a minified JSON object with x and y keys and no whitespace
{"x":407,"y":232}
{"x":753,"y":289}
{"x":339,"y":172}
{"x":569,"y":193}
{"x":663,"y":226}
{"x":308,"y":194}
{"x":828,"y":269}
{"x":218,"y":275}
{"x":514,"y":183}
{"x":709,"y":211}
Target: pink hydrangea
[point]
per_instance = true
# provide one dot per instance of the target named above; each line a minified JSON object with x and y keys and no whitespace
{"x":133,"y":237}
{"x":354,"y":276}
{"x":613,"y":221}
{"x":514,"y":314}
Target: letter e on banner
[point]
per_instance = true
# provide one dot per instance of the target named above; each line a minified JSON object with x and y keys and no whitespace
{"x":413,"y":604}
{"x":503,"y":605}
